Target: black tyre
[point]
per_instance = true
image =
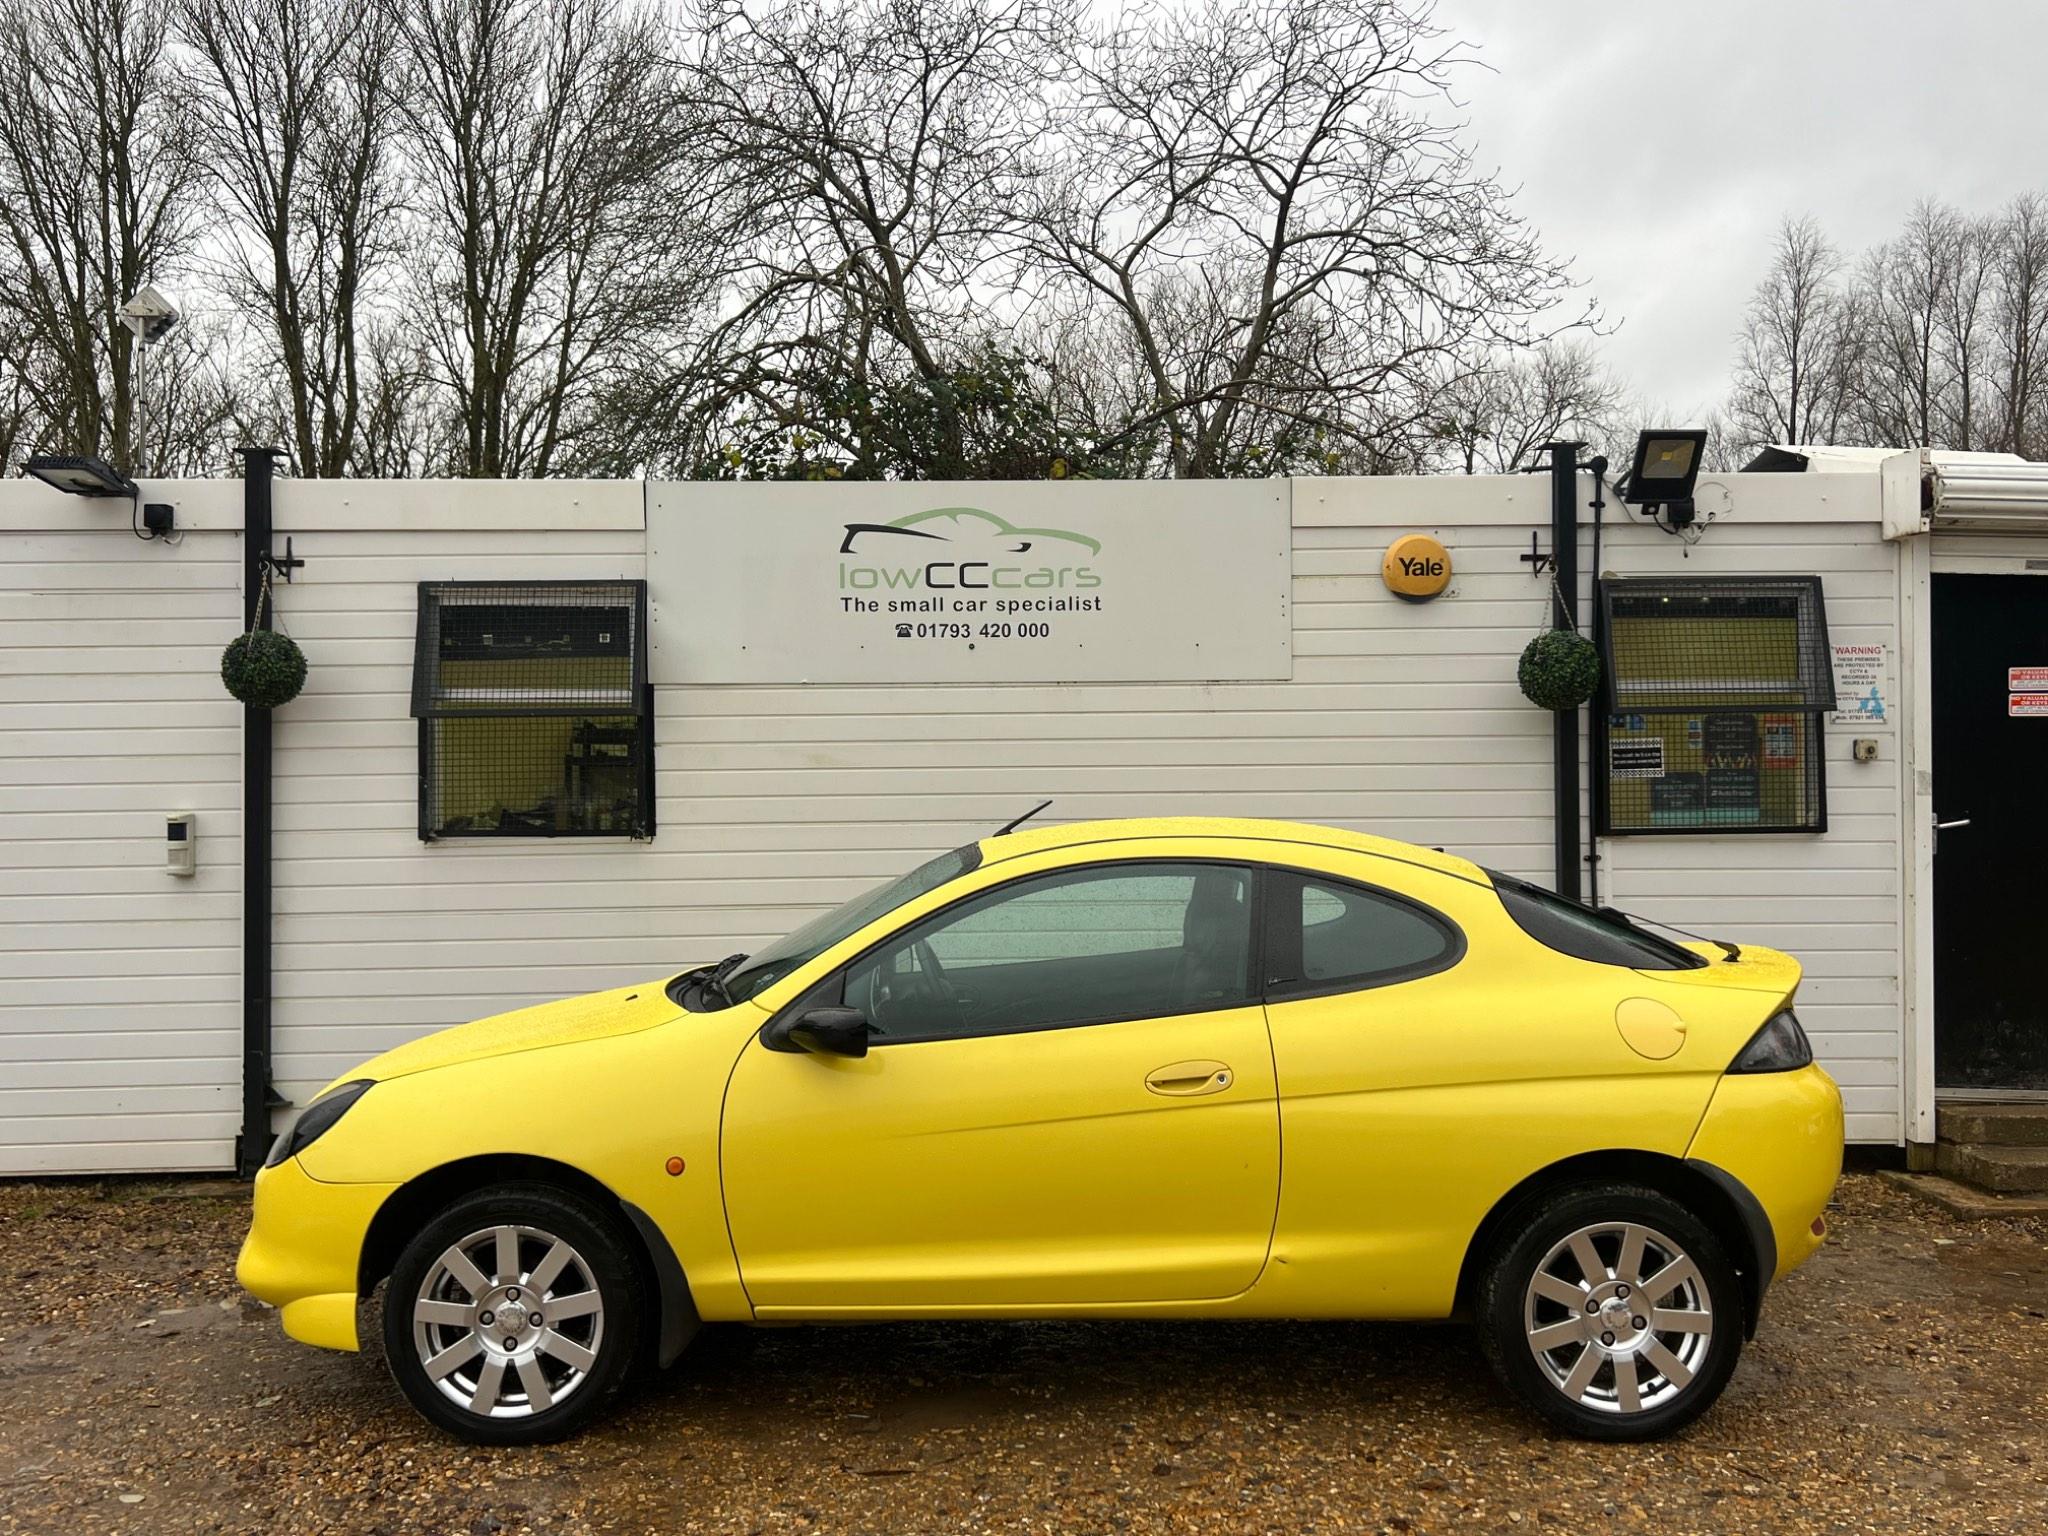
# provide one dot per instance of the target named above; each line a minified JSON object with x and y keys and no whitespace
{"x":515,"y":1314}
{"x":1612,"y":1311}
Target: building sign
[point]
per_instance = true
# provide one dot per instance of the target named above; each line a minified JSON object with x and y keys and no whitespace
{"x":1005,"y":581}
{"x":1863,"y":685}
{"x":1417,"y":567}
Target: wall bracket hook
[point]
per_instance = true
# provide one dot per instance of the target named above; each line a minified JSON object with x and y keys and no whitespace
{"x":289,"y":563}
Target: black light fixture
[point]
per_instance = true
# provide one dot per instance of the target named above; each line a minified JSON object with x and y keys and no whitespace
{"x":1665,"y":467}
{"x":77,"y":475}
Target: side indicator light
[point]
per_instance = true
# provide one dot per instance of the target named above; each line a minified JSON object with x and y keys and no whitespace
{"x":1820,"y":1226}
{"x":675,"y":1166}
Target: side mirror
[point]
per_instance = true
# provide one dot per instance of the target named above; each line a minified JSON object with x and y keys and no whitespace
{"x":822,"y":1032}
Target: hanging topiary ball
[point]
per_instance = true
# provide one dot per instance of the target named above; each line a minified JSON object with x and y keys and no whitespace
{"x":1559,"y":670}
{"x":263,"y":668}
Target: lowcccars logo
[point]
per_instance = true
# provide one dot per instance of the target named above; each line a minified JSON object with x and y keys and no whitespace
{"x":979,"y":552}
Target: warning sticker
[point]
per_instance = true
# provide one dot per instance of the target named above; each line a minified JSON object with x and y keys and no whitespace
{"x":1863,"y":685}
{"x":2027,"y":679}
{"x":2027,"y":704}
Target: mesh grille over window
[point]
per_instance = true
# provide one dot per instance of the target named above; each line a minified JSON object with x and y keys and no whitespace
{"x":534,"y":708}
{"x":1716,"y":688}
{"x":1693,"y":643}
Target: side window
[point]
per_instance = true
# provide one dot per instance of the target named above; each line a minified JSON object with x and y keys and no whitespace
{"x":1326,"y":935}
{"x":1084,"y":946}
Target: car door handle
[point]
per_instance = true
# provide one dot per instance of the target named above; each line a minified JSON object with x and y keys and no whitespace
{"x":1189,"y":1079}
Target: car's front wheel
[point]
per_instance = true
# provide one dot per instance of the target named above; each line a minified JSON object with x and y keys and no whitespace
{"x":514,"y":1315}
{"x":1612,"y":1311}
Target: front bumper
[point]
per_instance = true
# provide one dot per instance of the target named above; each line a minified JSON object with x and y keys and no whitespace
{"x":304,"y":1249}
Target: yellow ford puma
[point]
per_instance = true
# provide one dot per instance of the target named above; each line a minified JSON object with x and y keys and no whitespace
{"x":1187,"y":1068}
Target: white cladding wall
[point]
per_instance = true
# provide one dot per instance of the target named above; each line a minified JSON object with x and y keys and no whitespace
{"x":120,"y":985}
{"x":777,"y":801}
{"x":1832,"y":900}
{"x":378,"y":937}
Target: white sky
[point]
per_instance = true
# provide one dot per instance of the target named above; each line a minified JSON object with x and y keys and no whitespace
{"x":1660,"y":141}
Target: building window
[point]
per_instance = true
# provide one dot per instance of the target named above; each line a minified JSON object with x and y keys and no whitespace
{"x":1716,"y":688}
{"x":536,"y":716}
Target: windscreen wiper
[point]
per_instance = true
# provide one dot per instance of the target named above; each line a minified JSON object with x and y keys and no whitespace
{"x":715,"y":981}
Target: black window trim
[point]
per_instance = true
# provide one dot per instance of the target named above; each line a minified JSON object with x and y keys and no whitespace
{"x":642,"y":690}
{"x":1602,"y":706}
{"x":1261,"y":994}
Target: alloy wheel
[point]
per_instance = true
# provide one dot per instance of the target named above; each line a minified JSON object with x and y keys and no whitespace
{"x":508,"y":1322}
{"x":1618,"y":1317}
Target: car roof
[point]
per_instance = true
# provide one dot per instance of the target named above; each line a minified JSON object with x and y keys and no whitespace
{"x":1074,"y":834}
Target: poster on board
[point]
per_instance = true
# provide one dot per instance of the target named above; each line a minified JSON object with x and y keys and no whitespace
{"x":994,"y":581}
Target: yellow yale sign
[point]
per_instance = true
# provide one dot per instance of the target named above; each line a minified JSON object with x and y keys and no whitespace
{"x":1417,"y":567}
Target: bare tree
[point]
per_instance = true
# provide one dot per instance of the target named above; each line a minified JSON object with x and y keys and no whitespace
{"x":2019,"y":306}
{"x":1905,"y":285}
{"x":295,"y":112}
{"x":1260,"y":195}
{"x":867,"y":156}
{"x":1962,"y":327}
{"x":1493,"y":419}
{"x":1796,"y":360}
{"x":541,"y":134}
{"x":95,"y":182}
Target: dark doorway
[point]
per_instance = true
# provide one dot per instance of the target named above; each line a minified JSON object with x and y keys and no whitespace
{"x":1991,"y":770}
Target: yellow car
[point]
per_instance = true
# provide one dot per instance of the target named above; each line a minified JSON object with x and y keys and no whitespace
{"x":1164,"y":1068}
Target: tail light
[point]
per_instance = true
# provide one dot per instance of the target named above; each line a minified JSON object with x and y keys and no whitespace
{"x":1780,"y":1046}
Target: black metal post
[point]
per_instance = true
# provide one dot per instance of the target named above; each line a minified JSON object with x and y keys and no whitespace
{"x":258,"y":467}
{"x":1564,"y":552}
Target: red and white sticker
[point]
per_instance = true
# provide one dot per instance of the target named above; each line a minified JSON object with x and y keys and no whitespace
{"x":2027,"y":704}
{"x":2026,"y":680}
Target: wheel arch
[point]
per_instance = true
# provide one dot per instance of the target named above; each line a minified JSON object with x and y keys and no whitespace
{"x":1731,"y":1213}
{"x":414,"y":1203}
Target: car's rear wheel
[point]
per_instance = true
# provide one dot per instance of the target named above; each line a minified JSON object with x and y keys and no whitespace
{"x":514,"y":1315}
{"x":1612,"y":1311}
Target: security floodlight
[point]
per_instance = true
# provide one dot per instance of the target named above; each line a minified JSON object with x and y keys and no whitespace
{"x":149,"y":315}
{"x":79,"y":476}
{"x":1666,"y":465}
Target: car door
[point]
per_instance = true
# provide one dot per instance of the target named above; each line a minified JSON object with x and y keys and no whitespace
{"x":1067,"y":1101}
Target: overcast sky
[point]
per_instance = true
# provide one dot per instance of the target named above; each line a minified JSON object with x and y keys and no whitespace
{"x":1660,"y":141}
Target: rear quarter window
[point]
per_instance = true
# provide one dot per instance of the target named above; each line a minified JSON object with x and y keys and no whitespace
{"x":1328,"y":935}
{"x":1573,"y":930}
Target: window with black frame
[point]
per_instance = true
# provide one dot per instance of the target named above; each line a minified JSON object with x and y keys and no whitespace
{"x":536,"y":716}
{"x":1715,"y":689}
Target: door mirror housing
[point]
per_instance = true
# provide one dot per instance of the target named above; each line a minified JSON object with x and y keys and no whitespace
{"x":821,"y":1031}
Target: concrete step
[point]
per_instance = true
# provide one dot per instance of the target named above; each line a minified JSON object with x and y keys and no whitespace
{"x":1993,"y":1125}
{"x":2007,"y":1170}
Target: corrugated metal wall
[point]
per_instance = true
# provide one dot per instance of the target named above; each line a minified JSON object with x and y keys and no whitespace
{"x":120,"y":986}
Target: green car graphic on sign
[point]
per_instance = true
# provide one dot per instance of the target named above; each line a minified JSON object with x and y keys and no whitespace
{"x":954,"y":525}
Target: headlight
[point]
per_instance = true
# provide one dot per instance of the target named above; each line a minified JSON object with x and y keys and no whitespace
{"x":315,"y":1120}
{"x":1780,"y":1046}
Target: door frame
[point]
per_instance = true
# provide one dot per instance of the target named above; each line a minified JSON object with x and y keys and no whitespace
{"x":1944,"y":553}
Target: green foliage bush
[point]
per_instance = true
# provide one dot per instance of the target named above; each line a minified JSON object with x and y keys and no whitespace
{"x":1559,"y":670}
{"x":263,"y":668}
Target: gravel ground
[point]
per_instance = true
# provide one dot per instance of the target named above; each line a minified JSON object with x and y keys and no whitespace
{"x":1898,"y":1384}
